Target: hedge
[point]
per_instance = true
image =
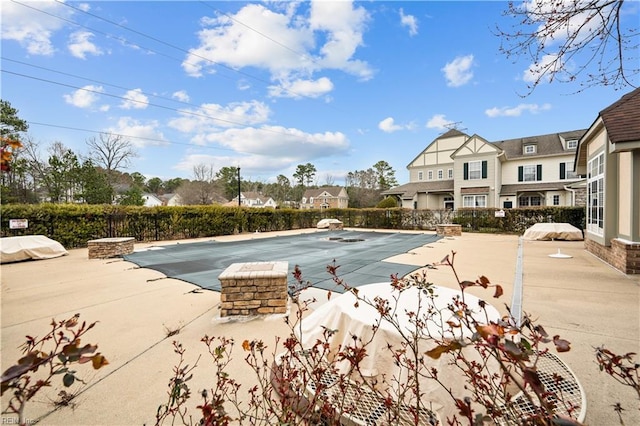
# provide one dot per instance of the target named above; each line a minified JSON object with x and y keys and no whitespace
{"x":73,"y":225}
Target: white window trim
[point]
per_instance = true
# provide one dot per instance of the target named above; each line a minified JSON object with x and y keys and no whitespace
{"x":450,"y":173}
{"x":474,"y":201}
{"x":595,"y":177}
{"x":529,"y":167}
{"x":573,"y":142}
{"x":420,"y":175}
{"x":430,"y":175}
{"x":529,"y":149}
{"x":440,"y":174}
{"x":472,"y":170}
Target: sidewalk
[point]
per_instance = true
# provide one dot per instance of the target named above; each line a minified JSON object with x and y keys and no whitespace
{"x":582,"y":299}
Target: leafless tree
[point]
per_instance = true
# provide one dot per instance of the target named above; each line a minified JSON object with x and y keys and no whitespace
{"x":111,"y":152}
{"x":203,"y":173}
{"x":589,"y":42}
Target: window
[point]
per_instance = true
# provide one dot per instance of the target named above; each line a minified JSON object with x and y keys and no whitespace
{"x":450,"y":173}
{"x":526,"y":201}
{"x":311,"y":200}
{"x":595,"y":195}
{"x":440,"y":174}
{"x":474,"y":170}
{"x":572,"y":144}
{"x":566,"y":171}
{"x":474,"y":201}
{"x":530,"y":149}
{"x":448,"y":203}
{"x":556,"y":200}
{"x":304,"y":200}
{"x":530,"y":173}
{"x":420,"y":176}
{"x":430,"y":174}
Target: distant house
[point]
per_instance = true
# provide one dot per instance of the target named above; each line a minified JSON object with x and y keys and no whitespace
{"x":253,"y":199}
{"x":457,"y":170}
{"x":171,"y":199}
{"x":328,"y":197}
{"x":609,"y":154}
{"x":151,"y":200}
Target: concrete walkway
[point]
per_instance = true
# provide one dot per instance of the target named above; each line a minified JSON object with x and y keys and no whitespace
{"x":582,"y":299}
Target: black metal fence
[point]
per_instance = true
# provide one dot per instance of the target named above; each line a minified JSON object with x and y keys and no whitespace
{"x":74,"y":225}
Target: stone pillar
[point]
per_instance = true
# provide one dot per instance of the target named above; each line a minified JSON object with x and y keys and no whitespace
{"x":104,"y":248}
{"x":254,"y":288}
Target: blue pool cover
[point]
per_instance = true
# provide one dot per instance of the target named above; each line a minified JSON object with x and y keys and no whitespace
{"x":358,"y":254}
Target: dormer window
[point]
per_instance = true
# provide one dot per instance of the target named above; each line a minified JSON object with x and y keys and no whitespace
{"x":572,"y":144}
{"x":530,"y":149}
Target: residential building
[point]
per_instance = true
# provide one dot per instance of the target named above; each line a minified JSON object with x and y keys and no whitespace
{"x":457,"y":170}
{"x":151,"y":200}
{"x":253,"y":199}
{"x":609,"y":155}
{"x":327,"y":197}
{"x":171,"y":199}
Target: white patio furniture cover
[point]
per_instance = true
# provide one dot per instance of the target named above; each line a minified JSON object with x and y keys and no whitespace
{"x":553,"y":231}
{"x":324,"y":223}
{"x":341,"y":314}
{"x":15,"y":249}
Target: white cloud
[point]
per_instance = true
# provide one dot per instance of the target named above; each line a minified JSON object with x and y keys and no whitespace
{"x":289,"y":51}
{"x":140,"y":134}
{"x":438,"y":121}
{"x":343,"y":27}
{"x":181,"y":95}
{"x":281,"y":142}
{"x":227,"y":41}
{"x":32,"y":28}
{"x":458,"y":72}
{"x":134,"y":99}
{"x":388,"y":125}
{"x":410,"y":22}
{"x":516,"y":111}
{"x":80,"y":45}
{"x":302,"y":88}
{"x":85,"y":97}
{"x":211,"y":117}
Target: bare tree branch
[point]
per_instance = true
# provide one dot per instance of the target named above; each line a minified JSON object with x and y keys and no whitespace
{"x":574,"y":41}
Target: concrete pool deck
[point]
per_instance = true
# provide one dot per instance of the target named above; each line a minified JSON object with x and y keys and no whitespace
{"x":582,"y":299}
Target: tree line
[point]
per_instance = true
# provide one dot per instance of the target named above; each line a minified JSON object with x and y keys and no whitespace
{"x":56,"y":174}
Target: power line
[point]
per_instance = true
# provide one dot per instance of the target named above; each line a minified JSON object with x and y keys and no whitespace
{"x":188,"y":52}
{"x":164,"y":141}
{"x":261,"y":129}
{"x":113,"y":85}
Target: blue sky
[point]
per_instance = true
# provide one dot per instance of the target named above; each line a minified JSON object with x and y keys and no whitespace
{"x":269,"y":85}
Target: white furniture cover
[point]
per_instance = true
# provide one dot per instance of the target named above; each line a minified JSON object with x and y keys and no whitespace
{"x":341,"y":314}
{"x":325,"y":223}
{"x":26,"y":247}
{"x":553,"y":231}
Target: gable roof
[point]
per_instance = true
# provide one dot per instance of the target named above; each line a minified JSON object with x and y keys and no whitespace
{"x":622,"y":118}
{"x":474,"y":139}
{"x":450,"y":134}
{"x":315,"y":192}
{"x":549,"y":144}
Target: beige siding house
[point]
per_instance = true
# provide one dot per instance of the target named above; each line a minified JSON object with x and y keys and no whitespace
{"x":329,"y":197}
{"x":609,"y":154}
{"x":457,"y":170}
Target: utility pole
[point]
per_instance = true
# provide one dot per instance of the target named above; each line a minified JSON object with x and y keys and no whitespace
{"x":239,"y":199}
